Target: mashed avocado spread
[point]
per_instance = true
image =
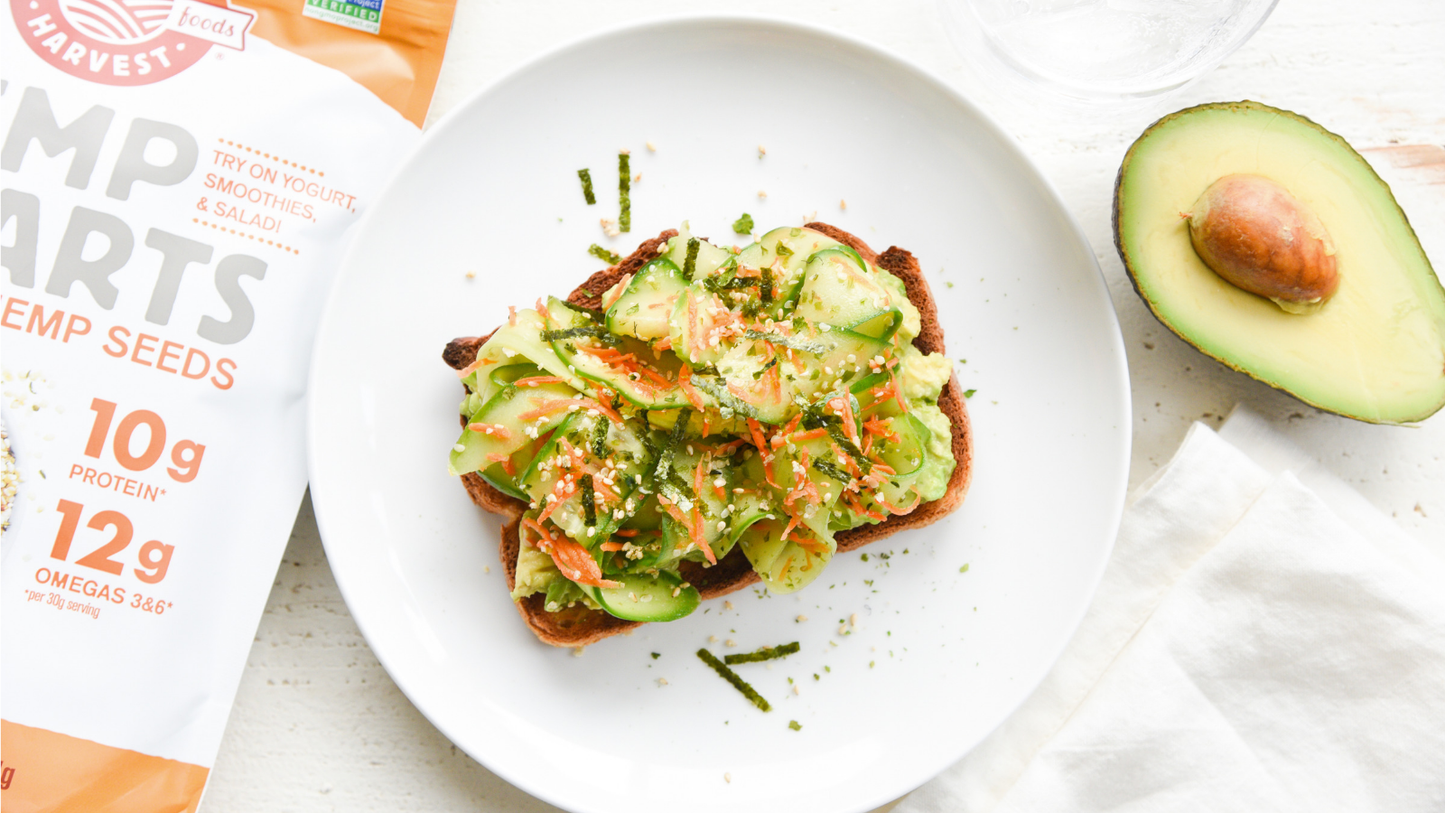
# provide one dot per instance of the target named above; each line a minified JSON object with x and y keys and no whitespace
{"x":763,"y":398}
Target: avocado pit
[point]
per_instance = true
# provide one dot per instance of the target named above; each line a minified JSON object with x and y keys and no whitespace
{"x":1254,"y":234}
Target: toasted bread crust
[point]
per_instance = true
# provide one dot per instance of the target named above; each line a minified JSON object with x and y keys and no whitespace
{"x":578,"y":626}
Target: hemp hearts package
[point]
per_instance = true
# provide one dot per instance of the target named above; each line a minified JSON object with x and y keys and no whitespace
{"x":179,"y":180}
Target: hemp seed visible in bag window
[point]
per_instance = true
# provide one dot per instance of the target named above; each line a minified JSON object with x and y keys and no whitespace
{"x":179,"y":178}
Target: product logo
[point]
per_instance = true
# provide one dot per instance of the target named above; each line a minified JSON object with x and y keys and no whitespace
{"x":128,"y":42}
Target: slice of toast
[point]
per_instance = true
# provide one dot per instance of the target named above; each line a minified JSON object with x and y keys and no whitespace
{"x":579,"y":626}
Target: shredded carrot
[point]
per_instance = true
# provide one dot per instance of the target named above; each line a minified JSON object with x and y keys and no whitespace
{"x":604,"y":491}
{"x":701,"y":536}
{"x":496,"y":430}
{"x":542,"y":309}
{"x":577,"y":564}
{"x":626,"y":533}
{"x":541,"y":531}
{"x":782,"y":437}
{"x":857,"y":506}
{"x":811,"y":434}
{"x":691,"y":323}
{"x":620,"y":288}
{"x":538,"y":380}
{"x":546,"y":408}
{"x":878,"y":498}
{"x":684,"y":380}
{"x":693,"y":525}
{"x":611,"y":547}
{"x":762,"y":446}
{"x":665,"y":343}
{"x":509,"y":467}
{"x":474,"y":366}
{"x":512,"y":315}
{"x":699,"y":477}
{"x":881,"y":428}
{"x":497,"y":457}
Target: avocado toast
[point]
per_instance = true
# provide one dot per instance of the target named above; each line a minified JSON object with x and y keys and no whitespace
{"x":643,"y":484}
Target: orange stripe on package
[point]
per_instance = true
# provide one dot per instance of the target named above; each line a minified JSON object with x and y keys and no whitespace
{"x":179,"y":181}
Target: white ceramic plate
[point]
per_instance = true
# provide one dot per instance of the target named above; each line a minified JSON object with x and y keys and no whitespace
{"x":939,"y":657}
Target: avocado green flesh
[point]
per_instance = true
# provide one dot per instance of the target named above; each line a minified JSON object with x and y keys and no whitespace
{"x":1375,"y":351}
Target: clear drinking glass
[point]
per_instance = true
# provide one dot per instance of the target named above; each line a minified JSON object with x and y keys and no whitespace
{"x":1093,"y":51}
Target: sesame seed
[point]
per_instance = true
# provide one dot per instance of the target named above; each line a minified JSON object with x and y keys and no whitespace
{"x":727,"y":605}
{"x":662,"y":681}
{"x":651,"y":147}
{"x":727,"y":777}
{"x":802,"y":618}
{"x":730,"y":642}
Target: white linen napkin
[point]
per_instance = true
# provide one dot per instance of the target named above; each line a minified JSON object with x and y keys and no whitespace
{"x":1252,"y":647}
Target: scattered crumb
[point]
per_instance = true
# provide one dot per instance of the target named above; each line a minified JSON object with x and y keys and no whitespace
{"x":651,"y":147}
{"x":1421,"y":511}
{"x":963,"y":569}
{"x":727,"y":605}
{"x":802,"y":618}
{"x":712,"y":639}
{"x":812,"y":217}
{"x":471,"y":275}
{"x":730,"y":642}
{"x":624,"y":152}
{"x":656,"y":655}
{"x":609,"y":228}
{"x":762,"y":150}
{"x":843,"y":204}
{"x":796,"y":690}
{"x":577,"y":651}
{"x":763,"y":195}
{"x":793,"y":724}
{"x":727,"y":777}
{"x":637,"y":178}
{"x":486,"y":568}
{"x":662,"y":681}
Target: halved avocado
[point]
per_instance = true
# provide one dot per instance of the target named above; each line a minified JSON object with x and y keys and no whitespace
{"x":1375,"y":351}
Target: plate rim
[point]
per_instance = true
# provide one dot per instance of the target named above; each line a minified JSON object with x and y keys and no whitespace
{"x":796,"y":26}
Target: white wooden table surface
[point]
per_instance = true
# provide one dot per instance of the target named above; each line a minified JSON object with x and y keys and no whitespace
{"x":319,"y":726}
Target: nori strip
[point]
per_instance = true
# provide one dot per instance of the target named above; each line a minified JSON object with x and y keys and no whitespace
{"x":766,"y":653}
{"x":836,"y":433}
{"x":599,"y":441}
{"x":732,"y":677}
{"x":624,"y":191}
{"x":772,"y":362}
{"x":589,"y":499}
{"x":599,"y":333}
{"x":586,"y":176}
{"x":716,"y":284}
{"x":765,"y":292}
{"x":689,"y":265}
{"x":832,"y":471}
{"x":603,"y":254}
{"x":660,"y":473}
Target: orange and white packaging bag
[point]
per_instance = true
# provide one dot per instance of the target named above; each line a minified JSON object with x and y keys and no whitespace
{"x":179,"y":179}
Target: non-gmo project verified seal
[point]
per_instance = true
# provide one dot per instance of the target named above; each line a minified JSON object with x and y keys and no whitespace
{"x":363,"y":15}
